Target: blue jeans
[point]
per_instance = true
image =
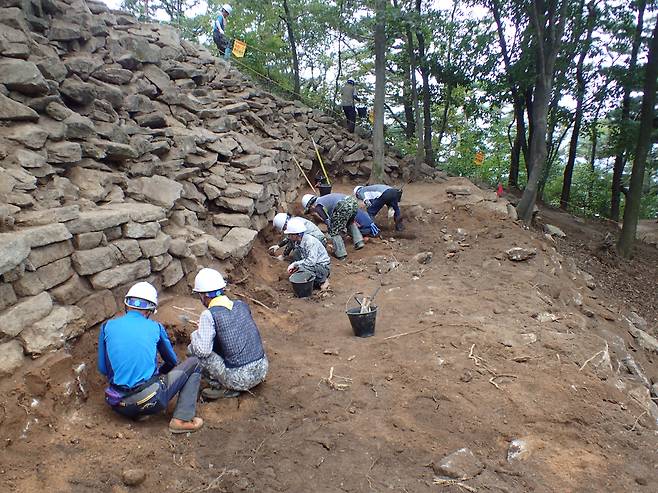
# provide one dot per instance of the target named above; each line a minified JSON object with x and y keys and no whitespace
{"x":391,"y":198}
{"x":183,"y":380}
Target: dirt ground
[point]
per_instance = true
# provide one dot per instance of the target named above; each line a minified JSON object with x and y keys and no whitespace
{"x":471,"y":350}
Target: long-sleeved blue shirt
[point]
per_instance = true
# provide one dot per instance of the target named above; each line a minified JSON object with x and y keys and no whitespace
{"x":324,"y":205}
{"x":128,"y":347}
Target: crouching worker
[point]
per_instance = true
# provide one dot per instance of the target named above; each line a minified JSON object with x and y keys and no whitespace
{"x":314,"y":257}
{"x":227,"y":341}
{"x":127,"y":355}
{"x":377,"y":196}
{"x":337,"y":211}
{"x":291,"y":250}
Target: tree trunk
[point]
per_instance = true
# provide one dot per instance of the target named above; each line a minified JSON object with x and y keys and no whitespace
{"x":409,"y":119}
{"x":418,"y":121}
{"x":578,"y":118}
{"x":549,"y":27}
{"x":446,"y":108}
{"x":620,"y":158}
{"x":632,"y":209}
{"x":339,"y":69}
{"x":427,"y":97}
{"x":377,"y":172}
{"x":293,"y":48}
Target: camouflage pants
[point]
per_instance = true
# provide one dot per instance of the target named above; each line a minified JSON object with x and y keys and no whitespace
{"x":342,"y":216}
{"x":241,"y":378}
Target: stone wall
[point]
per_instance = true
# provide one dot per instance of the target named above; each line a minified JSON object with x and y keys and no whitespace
{"x":128,"y":153}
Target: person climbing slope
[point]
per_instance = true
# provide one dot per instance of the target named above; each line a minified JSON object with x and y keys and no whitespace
{"x":219,"y":30}
{"x":127,"y":355}
{"x":348,"y":97}
{"x":314,"y":258}
{"x":280,"y":222}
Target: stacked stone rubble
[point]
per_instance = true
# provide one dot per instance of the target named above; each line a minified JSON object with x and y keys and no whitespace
{"x":129,"y":153}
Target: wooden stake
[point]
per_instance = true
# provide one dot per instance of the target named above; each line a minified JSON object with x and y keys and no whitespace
{"x":300,"y":169}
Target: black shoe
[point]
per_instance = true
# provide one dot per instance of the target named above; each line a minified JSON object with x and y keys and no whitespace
{"x":214,"y":393}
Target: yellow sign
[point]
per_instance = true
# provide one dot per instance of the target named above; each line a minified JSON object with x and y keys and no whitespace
{"x":239,"y":47}
{"x":371,"y":116}
{"x":479,"y":158}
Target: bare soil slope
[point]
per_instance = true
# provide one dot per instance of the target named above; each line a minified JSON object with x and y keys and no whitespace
{"x":471,"y":350}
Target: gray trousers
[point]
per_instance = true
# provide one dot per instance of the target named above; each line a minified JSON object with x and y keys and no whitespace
{"x":320,"y":271}
{"x":241,"y":378}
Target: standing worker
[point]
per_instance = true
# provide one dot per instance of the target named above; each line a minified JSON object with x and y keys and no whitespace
{"x":314,"y":258}
{"x":127,"y":355}
{"x":377,"y":196}
{"x":280,"y":222}
{"x":338,"y":212}
{"x":227,"y":341}
{"x":348,"y":97}
{"x":218,"y":31}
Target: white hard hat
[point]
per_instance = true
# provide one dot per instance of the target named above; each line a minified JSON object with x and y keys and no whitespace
{"x":280,"y":220}
{"x":306,"y":199}
{"x":356,"y":189}
{"x":142,"y":295}
{"x":208,"y":280}
{"x":295,"y":226}
{"x":227,"y":8}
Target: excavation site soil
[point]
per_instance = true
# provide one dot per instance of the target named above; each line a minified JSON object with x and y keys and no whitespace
{"x":516,"y":361}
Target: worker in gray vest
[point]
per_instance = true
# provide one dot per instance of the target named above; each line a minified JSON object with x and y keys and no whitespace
{"x":227,"y":342}
{"x":348,"y":96}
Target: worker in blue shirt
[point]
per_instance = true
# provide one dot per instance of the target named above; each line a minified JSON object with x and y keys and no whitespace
{"x":127,"y":355}
{"x":219,"y":29}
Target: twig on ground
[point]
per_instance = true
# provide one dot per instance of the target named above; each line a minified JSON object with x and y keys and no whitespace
{"x":479,"y":361}
{"x":260,"y":303}
{"x":252,"y":457}
{"x":637,"y":420}
{"x":405,"y":333}
{"x":242,"y":280}
{"x":604,"y":352}
{"x":455,"y":482}
{"x":344,"y":384}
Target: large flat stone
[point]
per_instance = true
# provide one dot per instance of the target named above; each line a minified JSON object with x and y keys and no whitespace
{"x":122,"y":274}
{"x":141,"y":230}
{"x":71,"y":291}
{"x":51,"y":332}
{"x":461,"y":464}
{"x":97,"y":220}
{"x":22,"y":76}
{"x":236,"y":244}
{"x":13,"y":250}
{"x":87,"y":262}
{"x":127,"y":250}
{"x":231,"y":220}
{"x":98,"y":307}
{"x":140,"y":212}
{"x":157,"y":190}
{"x":11,"y":357}
{"x":44,"y":278}
{"x":48,"y":216}
{"x":44,"y":255}
{"x":11,"y":110}
{"x":236,"y":204}
{"x":156,"y":246}
{"x":7,"y":295}
{"x":172,"y":273}
{"x":37,"y":236}
{"x":24,"y":314}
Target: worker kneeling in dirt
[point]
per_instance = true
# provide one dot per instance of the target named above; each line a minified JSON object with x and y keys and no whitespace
{"x":291,"y":250}
{"x":314,"y":257}
{"x":337,"y":211}
{"x":127,"y":355}
{"x":377,"y":196}
{"x":227,"y":341}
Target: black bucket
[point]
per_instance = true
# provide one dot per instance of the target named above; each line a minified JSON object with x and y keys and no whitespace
{"x":363,"y":324}
{"x":325,"y":189}
{"x":362,"y":111}
{"x":302,"y":284}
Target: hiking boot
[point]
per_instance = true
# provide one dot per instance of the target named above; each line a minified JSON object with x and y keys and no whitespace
{"x":398,"y":225}
{"x":214,"y":393}
{"x":179,"y":426}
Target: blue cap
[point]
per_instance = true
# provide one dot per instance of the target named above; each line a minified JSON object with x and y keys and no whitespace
{"x":139,"y":303}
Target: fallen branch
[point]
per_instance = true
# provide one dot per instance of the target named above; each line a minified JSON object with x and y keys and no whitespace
{"x":454,"y":482}
{"x":603,"y":354}
{"x":480,"y":362}
{"x":345,"y":384}
{"x":637,"y":420}
{"x":254,"y":300}
{"x":404,"y":334}
{"x":185,"y":310}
